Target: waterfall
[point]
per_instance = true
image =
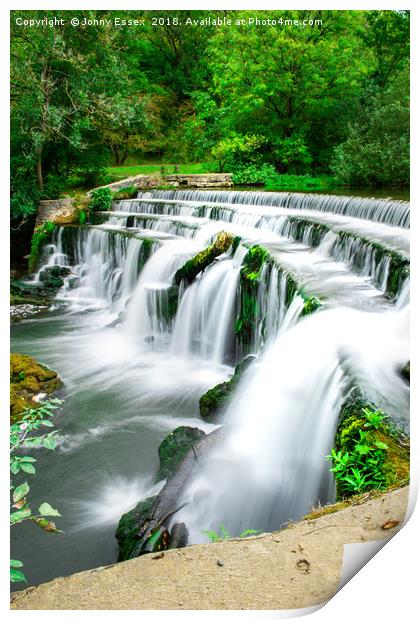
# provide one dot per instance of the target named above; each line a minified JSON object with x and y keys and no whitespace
{"x":177,"y":340}
{"x":394,"y":212}
{"x":270,"y":466}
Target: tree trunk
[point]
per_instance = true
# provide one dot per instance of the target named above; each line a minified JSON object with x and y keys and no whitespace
{"x":38,"y":169}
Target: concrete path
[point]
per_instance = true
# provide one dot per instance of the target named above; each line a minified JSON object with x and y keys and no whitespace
{"x":294,"y":568}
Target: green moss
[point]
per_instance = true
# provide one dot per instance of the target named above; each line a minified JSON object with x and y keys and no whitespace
{"x":28,"y":378}
{"x":174,"y":447}
{"x":312,"y":304}
{"x":214,"y":402}
{"x":200,"y":261}
{"x":41,"y":236}
{"x":127,"y":529}
{"x":353,"y":419}
{"x":250,"y":278}
{"x":125,"y":193}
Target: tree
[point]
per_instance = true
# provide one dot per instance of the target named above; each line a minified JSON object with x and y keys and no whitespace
{"x":377,"y":149}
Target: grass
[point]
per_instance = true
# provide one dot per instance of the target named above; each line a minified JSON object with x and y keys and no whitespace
{"x":121,"y":172}
{"x":298,"y":182}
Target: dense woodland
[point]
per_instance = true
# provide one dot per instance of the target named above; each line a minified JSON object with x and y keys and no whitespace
{"x":258,"y":101}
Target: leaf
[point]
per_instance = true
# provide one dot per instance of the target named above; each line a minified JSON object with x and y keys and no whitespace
{"x":16,"y":575}
{"x":47,"y":526}
{"x":19,"y":515}
{"x":47,"y":423}
{"x":381,"y":445}
{"x":28,"y":468}
{"x":27,"y":459}
{"x":49,"y":443}
{"x":48,"y":511}
{"x":15,"y":467}
{"x":20,"y":492}
{"x":16,"y":563}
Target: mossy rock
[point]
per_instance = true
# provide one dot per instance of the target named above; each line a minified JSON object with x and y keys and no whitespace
{"x":203,"y":259}
{"x":396,"y":467}
{"x":174,"y":447}
{"x":28,"y":378}
{"x":128,"y":527}
{"x":311,"y":305}
{"x":214,"y":402}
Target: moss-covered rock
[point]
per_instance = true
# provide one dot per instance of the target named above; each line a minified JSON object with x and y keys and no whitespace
{"x":52,"y":276}
{"x":27,"y":379}
{"x":214,"y":402}
{"x":128,"y":527}
{"x":203,"y":259}
{"x":174,"y":447}
{"x":250,"y":279}
{"x":312,"y":304}
{"x":353,"y":420}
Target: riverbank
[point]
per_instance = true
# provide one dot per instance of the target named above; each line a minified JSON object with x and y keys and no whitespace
{"x":297,"y":567}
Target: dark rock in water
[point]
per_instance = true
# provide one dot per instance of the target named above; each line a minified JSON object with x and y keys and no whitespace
{"x":405,"y":372}
{"x":174,"y":447}
{"x":73,"y":281}
{"x":53,"y":271}
{"x":214,"y":402}
{"x":145,"y":529}
{"x":179,"y":536}
{"x":52,"y":276}
{"x":128,"y":527}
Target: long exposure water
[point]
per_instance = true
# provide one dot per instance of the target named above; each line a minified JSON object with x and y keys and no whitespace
{"x":133,"y":370}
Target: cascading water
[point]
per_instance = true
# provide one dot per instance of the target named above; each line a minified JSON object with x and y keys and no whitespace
{"x":136,"y":352}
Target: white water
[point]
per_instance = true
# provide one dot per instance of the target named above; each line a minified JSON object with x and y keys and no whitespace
{"x":271,"y":464}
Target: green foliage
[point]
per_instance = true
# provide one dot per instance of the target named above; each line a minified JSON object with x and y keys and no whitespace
{"x":25,"y":435}
{"x":236,"y":149}
{"x":101,"y":199}
{"x":361,"y":469}
{"x":42,"y":235}
{"x":376,"y":151}
{"x":370,"y":452}
{"x":125,"y":193}
{"x":258,"y":101}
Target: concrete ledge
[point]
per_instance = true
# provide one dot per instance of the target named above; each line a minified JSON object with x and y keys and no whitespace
{"x":152,"y":181}
{"x":297,"y":567}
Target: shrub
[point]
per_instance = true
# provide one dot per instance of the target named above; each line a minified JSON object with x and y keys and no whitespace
{"x":101,"y":199}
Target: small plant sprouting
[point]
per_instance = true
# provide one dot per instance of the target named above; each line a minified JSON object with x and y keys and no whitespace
{"x":224,"y":534}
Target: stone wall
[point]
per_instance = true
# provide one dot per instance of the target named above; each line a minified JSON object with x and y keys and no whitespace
{"x":193,"y":181}
{"x":62,"y":209}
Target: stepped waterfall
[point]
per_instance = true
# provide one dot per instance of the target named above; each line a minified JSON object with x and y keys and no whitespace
{"x":325,"y":308}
